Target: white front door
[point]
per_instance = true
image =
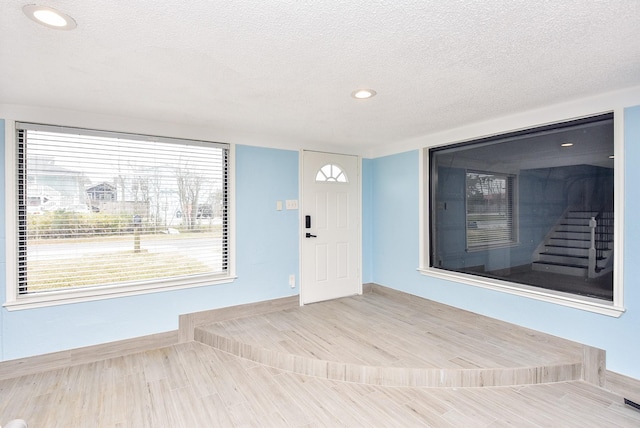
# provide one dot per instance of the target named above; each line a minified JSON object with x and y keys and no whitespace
{"x":330,"y":260}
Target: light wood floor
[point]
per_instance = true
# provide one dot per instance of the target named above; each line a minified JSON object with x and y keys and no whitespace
{"x":397,"y":340}
{"x":194,"y":385}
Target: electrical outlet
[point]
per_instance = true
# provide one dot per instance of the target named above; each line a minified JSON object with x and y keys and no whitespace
{"x":292,"y":281}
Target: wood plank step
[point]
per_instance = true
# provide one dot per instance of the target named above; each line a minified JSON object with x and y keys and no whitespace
{"x":427,"y":345}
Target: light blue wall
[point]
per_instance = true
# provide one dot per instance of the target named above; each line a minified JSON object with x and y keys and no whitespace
{"x":395,"y":218}
{"x":267,"y":253}
{"x":267,"y":239}
{"x":395,"y":259}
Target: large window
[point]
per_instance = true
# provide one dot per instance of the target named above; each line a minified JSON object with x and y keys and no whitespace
{"x":533,"y":208}
{"x":110,"y":212}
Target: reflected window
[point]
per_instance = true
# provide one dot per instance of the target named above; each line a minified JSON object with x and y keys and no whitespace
{"x":490,"y":211}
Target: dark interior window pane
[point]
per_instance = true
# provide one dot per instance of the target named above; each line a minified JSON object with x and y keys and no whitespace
{"x":533,"y":207}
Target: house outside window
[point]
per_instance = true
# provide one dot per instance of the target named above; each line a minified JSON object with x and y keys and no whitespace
{"x":529,"y":210}
{"x":102,"y":192}
{"x":99,"y":213}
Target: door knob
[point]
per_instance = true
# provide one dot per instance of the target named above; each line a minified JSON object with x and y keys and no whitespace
{"x":308,"y":235}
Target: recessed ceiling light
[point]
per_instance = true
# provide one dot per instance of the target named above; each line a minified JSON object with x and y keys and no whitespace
{"x":49,"y":17}
{"x":363,"y":94}
{"x":566,"y":144}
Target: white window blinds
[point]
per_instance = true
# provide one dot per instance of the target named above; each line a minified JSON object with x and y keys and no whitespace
{"x":489,"y":201}
{"x":106,"y":209}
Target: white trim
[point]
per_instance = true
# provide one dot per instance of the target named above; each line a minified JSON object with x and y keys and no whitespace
{"x":618,"y":206}
{"x":231,"y":213}
{"x":65,"y":297}
{"x":10,"y":213}
{"x":614,"y":308}
{"x":360,"y":222}
{"x":564,"y":299}
{"x":301,"y":276}
{"x":423,"y":207}
{"x":62,"y":297}
{"x":60,"y":129}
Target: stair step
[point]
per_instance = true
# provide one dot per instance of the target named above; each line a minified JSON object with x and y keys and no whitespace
{"x":567,"y":259}
{"x":581,"y":214}
{"x":568,"y":256}
{"x":573,"y":270}
{"x":574,"y":227}
{"x":575,"y":243}
{"x":576,"y":221}
{"x":564,"y":260}
{"x":570,"y":234}
{"x":566,"y":251}
{"x":561,"y":264}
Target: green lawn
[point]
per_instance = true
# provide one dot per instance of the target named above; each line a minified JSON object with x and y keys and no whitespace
{"x":109,"y":268}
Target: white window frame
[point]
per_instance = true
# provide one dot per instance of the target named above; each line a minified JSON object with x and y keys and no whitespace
{"x":615,"y":308}
{"x":15,"y":301}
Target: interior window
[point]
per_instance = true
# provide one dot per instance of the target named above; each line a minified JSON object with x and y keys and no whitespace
{"x":533,"y":207}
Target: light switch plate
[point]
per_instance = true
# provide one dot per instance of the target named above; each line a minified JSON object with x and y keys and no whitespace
{"x":292,"y":204}
{"x":279,"y":205}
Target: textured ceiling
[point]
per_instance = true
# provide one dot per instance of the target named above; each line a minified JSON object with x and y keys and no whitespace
{"x":284,"y":69}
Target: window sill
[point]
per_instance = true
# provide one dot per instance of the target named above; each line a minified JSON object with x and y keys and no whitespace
{"x":556,"y":297}
{"x":64,"y":297}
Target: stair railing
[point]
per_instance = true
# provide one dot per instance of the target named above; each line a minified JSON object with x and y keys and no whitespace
{"x":592,"y":248}
{"x":601,"y":228}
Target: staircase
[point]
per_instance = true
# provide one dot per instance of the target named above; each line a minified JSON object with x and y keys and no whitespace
{"x":569,"y":245}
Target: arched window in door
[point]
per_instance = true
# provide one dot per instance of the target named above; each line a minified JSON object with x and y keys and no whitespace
{"x":331,"y":173}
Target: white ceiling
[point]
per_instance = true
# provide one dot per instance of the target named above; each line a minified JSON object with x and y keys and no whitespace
{"x":284,"y":69}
